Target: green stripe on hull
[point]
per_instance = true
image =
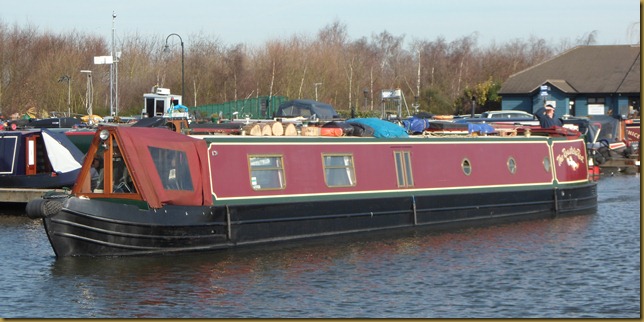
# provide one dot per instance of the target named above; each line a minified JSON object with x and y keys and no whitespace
{"x":375,"y":195}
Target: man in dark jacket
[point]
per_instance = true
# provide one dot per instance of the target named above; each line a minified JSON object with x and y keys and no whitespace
{"x":546,"y":116}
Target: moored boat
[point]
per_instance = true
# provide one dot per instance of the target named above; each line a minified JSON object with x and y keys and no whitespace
{"x":613,"y":144}
{"x":33,"y":160}
{"x":81,"y":138}
{"x":38,"y":158}
{"x":164,"y":192}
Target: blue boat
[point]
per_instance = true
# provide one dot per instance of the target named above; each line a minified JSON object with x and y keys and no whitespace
{"x":38,"y":158}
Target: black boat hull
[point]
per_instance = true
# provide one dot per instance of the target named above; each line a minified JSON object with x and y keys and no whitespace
{"x":84,"y":227}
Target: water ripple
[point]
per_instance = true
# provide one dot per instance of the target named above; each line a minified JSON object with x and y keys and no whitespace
{"x":575,"y":267}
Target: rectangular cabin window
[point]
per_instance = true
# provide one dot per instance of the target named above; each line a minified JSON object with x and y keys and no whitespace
{"x":160,"y":107}
{"x":9,"y":149}
{"x":339,"y":170}
{"x":108,"y":172}
{"x":266,"y":172}
{"x":121,"y":178}
{"x":173,"y":168}
{"x":403,"y":169}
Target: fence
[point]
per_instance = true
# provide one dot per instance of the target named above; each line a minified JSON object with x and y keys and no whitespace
{"x":261,"y":107}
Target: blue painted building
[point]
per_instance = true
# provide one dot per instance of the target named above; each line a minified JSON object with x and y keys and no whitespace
{"x":586,"y":80}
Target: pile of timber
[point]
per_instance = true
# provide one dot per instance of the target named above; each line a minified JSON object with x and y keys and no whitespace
{"x":269,"y":129}
{"x":272,"y":128}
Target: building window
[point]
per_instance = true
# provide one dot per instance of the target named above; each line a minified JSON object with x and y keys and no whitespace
{"x":595,"y":100}
{"x":266,"y":172}
{"x":339,"y":170}
{"x":403,"y":169}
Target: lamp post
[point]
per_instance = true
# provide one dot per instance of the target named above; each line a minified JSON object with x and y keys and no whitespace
{"x":167,"y":48}
{"x":68,"y":79}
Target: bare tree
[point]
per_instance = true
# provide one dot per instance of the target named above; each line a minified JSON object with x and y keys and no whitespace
{"x":32,"y":62}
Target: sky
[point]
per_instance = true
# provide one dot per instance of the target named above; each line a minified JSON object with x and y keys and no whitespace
{"x":254,"y":22}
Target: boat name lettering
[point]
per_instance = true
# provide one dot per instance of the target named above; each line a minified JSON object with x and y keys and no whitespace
{"x":633,"y":134}
{"x":566,"y":156}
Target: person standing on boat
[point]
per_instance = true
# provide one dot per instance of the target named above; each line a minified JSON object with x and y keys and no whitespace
{"x":546,"y":116}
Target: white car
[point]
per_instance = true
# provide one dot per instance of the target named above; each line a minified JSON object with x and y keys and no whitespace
{"x":507,"y":114}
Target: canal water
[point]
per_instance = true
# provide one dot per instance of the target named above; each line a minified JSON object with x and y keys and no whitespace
{"x":575,"y":267}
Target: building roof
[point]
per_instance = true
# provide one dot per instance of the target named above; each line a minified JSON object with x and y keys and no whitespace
{"x":583,"y":69}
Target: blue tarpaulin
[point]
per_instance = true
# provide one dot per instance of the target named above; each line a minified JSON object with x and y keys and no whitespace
{"x":480,"y":128}
{"x":178,"y":108}
{"x":382,"y":129}
{"x":415,"y":124}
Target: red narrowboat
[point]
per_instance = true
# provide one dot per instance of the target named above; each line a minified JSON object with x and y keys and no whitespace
{"x":164,"y":192}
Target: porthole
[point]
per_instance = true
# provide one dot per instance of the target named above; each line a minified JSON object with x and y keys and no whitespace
{"x":512,"y":165}
{"x":546,"y":164}
{"x":466,"y":166}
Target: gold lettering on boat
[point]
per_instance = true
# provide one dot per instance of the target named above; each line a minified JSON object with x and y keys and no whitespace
{"x":567,"y":156}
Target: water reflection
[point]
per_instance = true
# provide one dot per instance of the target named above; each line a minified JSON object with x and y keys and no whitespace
{"x":584,"y":266}
{"x":301,"y":272}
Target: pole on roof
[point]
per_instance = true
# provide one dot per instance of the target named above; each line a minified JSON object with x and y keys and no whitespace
{"x":473,"y":105}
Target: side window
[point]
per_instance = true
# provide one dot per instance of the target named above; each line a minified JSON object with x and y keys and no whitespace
{"x":403,"y":169}
{"x":339,"y":170}
{"x":8,"y":150}
{"x":173,"y":169}
{"x":97,"y":171}
{"x":121,"y":179}
{"x":266,"y":172}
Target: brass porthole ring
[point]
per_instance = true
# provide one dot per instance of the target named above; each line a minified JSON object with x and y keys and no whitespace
{"x":512,"y":165}
{"x":466,"y":166}
{"x":546,"y":164}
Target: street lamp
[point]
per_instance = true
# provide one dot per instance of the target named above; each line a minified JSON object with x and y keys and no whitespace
{"x":68,"y":79}
{"x":167,"y":48}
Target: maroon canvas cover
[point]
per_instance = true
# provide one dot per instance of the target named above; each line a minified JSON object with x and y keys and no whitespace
{"x":135,"y":143}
